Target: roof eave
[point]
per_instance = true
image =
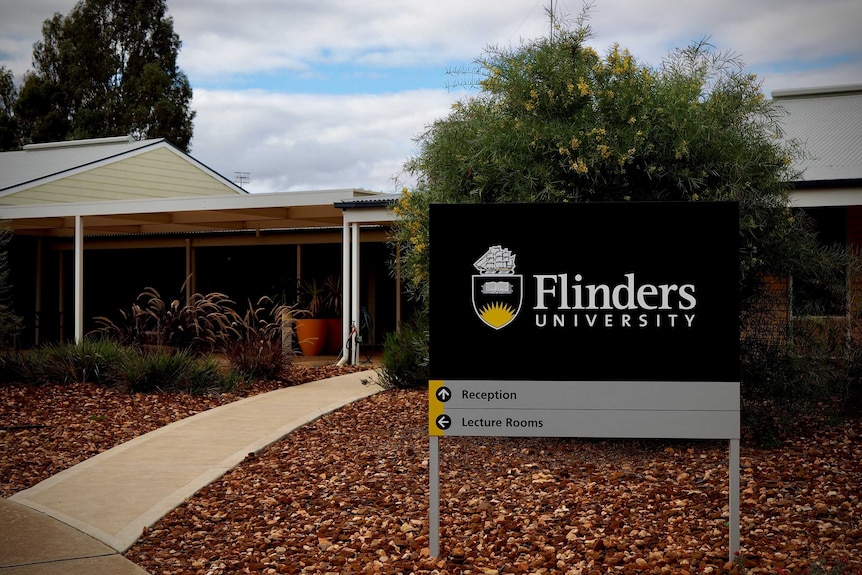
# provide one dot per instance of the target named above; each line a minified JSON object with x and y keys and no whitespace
{"x":827,"y":184}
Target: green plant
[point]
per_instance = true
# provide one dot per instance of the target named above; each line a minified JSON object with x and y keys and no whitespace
{"x":332,"y":295}
{"x":133,"y":369}
{"x":167,"y":370}
{"x":90,"y":361}
{"x":252,"y":342}
{"x":404,"y":363}
{"x":205,"y":375}
{"x":151,"y":371}
{"x":10,"y":322}
{"x":795,"y":372}
{"x":312,"y":297}
{"x":554,"y":121}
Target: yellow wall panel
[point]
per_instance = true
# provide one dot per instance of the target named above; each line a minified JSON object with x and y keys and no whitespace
{"x":156,"y":174}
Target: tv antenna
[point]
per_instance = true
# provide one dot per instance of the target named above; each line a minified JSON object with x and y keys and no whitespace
{"x":242,"y":178}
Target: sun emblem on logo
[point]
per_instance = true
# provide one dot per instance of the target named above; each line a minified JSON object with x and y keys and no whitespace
{"x":497,"y":314}
{"x":497,"y":290}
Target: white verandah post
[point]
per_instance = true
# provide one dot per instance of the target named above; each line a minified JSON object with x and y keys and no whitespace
{"x":79,"y":279}
{"x":346,"y":288}
{"x":354,"y":283}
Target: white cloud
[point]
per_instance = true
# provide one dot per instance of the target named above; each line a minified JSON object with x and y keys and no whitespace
{"x":225,"y":38}
{"x":292,"y":141}
{"x":21,"y":27}
{"x":388,"y":33}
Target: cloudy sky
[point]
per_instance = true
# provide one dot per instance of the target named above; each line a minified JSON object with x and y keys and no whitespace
{"x":323,"y":94}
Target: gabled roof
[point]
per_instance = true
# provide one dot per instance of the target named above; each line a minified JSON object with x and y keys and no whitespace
{"x":105,"y":169}
{"x":119,"y":186}
{"x":828,"y":121}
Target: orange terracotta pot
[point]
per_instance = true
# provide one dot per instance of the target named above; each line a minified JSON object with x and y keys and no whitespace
{"x":311,"y":335}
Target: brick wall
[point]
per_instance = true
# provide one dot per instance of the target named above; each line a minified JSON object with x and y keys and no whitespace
{"x":769,"y":319}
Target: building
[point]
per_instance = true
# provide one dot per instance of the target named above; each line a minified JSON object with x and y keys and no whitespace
{"x":97,"y":221}
{"x":827,"y":122}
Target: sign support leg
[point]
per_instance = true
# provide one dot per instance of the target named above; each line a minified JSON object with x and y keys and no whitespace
{"x":434,"y":495}
{"x":733,"y":474}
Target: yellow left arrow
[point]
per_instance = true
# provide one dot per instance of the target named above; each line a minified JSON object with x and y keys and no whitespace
{"x":435,"y":406}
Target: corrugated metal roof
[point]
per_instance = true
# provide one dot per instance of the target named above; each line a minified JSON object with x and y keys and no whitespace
{"x":828,"y":121}
{"x":257,"y":212}
{"x":41,"y":161}
{"x":376,"y":201}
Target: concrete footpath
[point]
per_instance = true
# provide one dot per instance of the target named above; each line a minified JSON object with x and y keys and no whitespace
{"x":80,"y":520}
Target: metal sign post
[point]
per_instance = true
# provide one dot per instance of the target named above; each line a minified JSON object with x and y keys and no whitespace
{"x":434,"y":495}
{"x":733,"y":475}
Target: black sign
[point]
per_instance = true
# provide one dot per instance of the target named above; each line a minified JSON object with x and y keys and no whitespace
{"x":605,"y":291}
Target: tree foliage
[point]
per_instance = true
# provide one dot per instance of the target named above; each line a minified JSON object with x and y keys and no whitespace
{"x":108,"y":68}
{"x":10,"y":322}
{"x":8,"y":124}
{"x":554,"y":121}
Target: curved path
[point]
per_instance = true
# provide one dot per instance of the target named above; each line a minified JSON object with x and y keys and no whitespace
{"x":81,"y":520}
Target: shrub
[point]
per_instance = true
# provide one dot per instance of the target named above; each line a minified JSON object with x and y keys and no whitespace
{"x":808,"y":368}
{"x":10,"y":322}
{"x":90,"y":361}
{"x":206,"y":375}
{"x":405,"y":358}
{"x":168,"y":370}
{"x":556,"y":122}
{"x":108,"y":363}
{"x":151,"y":371}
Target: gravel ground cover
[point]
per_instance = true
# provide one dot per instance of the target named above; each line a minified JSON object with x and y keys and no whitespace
{"x":348,"y":493}
{"x":46,"y":429}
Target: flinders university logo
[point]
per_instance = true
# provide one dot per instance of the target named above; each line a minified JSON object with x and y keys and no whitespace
{"x":497,"y":290}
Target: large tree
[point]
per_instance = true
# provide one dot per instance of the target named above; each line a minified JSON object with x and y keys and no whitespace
{"x":553,"y":121}
{"x":10,"y":322}
{"x":108,"y":68}
{"x":8,"y":124}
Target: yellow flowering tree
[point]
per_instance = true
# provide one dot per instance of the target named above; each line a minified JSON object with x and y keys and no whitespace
{"x":411,"y":238}
{"x":554,"y":121}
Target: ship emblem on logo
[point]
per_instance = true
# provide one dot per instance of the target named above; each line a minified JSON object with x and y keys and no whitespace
{"x":497,"y":290}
